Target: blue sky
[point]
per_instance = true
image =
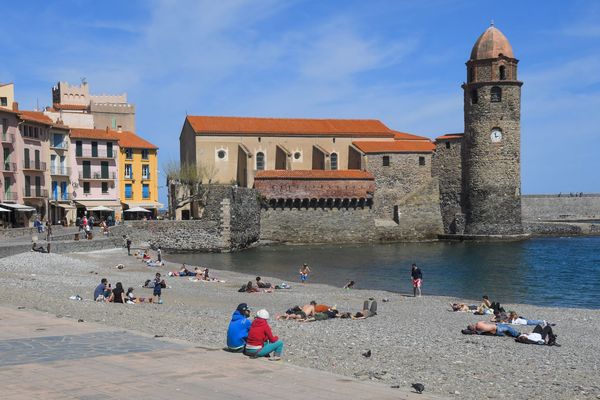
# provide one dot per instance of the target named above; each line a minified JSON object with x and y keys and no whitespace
{"x":398,"y":61}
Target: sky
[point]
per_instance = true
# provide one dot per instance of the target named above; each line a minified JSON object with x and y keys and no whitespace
{"x":401,"y":62}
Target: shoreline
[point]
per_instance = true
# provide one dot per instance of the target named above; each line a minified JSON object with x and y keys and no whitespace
{"x":412,"y":339}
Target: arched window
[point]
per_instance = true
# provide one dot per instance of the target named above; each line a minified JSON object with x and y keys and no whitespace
{"x":496,"y":94}
{"x":502,"y":73}
{"x":260,"y":161}
{"x":474,"y":96}
{"x":334,"y":161}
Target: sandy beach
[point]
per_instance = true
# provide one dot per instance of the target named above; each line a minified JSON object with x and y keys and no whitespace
{"x":411,"y":339}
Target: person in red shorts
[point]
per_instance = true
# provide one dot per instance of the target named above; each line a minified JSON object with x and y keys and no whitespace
{"x":417,"y":279}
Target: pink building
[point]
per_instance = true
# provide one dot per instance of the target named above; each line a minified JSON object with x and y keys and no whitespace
{"x":94,"y":162}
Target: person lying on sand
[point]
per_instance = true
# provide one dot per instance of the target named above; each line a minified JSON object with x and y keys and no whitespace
{"x":515,"y":319}
{"x":462,"y":307}
{"x":349,"y":285}
{"x":298,"y":312}
{"x":38,"y":249}
{"x":482,"y":328}
{"x":331,"y":312}
{"x":540,"y":335}
{"x":367,"y":311}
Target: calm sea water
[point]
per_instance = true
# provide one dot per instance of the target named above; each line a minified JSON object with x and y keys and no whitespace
{"x":561,"y":272}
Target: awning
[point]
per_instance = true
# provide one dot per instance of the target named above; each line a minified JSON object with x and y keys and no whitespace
{"x":100,"y":208}
{"x":17,"y":207}
{"x":95,"y":203}
{"x":143,"y":205}
{"x":137,"y":209}
{"x":4,"y":210}
{"x":65,"y":206}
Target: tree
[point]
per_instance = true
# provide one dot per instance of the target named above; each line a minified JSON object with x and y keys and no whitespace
{"x":189,"y":184}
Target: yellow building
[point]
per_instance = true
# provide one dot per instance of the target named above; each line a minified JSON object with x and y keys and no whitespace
{"x":138,"y":175}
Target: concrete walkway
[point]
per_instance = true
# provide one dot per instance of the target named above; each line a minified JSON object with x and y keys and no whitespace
{"x":45,"y":357}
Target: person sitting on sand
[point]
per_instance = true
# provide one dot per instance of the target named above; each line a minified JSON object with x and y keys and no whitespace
{"x":366,"y":310}
{"x":99,"y":291}
{"x":250,"y":288}
{"x":462,"y":307}
{"x":129,"y":296}
{"x":237,"y":332}
{"x":515,"y":319}
{"x":117,"y":295}
{"x":540,"y":335}
{"x":482,"y":328}
{"x":260,"y":341}
{"x":349,"y":285}
{"x":261,"y":284}
{"x":38,"y":249}
{"x":500,"y":316}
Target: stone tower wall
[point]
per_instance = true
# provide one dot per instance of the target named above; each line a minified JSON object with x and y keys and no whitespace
{"x":491,"y":171}
{"x":447,"y":167}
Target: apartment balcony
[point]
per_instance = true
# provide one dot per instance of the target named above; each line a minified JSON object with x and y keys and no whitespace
{"x":10,"y":196}
{"x":60,"y":171}
{"x":61,"y":197}
{"x":97,"y":176}
{"x":59,"y":146}
{"x":35,"y":192}
{"x":8,"y":167}
{"x":97,"y":155}
{"x":7,"y":138}
{"x":29,"y":165}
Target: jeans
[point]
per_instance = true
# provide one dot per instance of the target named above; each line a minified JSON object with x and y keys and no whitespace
{"x":502,"y":329}
{"x":276,"y":347}
{"x":536,"y":322}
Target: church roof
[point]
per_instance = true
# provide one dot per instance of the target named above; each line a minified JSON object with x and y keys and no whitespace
{"x":397,"y":146}
{"x":408,"y":136}
{"x":491,"y":44}
{"x":288,"y":126}
{"x":450,"y":136}
{"x":314,"y":174}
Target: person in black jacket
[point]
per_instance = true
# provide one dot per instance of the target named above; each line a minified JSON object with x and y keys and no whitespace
{"x":417,"y":279}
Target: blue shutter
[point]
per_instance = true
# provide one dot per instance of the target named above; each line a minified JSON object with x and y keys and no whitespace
{"x":128,"y":193}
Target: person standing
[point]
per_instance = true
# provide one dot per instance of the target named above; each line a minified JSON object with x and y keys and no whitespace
{"x":48,"y":230}
{"x":128,"y":244}
{"x":157,"y":288}
{"x":304,"y":271}
{"x":159,"y":254}
{"x":417,"y":280}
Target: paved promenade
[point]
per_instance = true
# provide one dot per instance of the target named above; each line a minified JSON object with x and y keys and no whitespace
{"x":45,"y":357}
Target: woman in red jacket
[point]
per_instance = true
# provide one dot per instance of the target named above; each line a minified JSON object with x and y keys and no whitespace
{"x":260,"y":341}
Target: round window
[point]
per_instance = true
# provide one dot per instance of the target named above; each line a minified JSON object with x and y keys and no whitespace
{"x":221,"y":154}
{"x":297,"y":155}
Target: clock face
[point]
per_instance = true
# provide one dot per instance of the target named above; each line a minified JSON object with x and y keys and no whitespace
{"x":496,"y":135}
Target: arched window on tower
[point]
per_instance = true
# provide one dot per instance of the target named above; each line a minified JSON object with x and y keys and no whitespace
{"x":496,"y":94}
{"x":260,"y":161}
{"x":502,"y":73}
{"x":474,"y":96}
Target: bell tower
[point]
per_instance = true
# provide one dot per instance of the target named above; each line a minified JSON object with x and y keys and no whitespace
{"x":491,"y":152}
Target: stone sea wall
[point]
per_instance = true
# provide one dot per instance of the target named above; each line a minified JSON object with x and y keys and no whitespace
{"x":565,"y":207}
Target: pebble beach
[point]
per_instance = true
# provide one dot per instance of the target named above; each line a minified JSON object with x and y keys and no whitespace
{"x":411,"y":339}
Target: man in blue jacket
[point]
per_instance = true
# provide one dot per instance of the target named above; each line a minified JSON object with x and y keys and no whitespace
{"x":238,"y":328}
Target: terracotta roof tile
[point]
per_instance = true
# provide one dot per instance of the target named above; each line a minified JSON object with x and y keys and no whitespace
{"x":314,"y":174}
{"x":450,"y":136}
{"x":288,"y":126}
{"x":131,"y":140}
{"x":60,"y":106}
{"x":408,"y":136}
{"x":396,"y":146}
{"x":35,"y":116}
{"x":80,"y":133}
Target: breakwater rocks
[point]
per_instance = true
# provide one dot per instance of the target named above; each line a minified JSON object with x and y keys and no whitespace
{"x":411,"y":339}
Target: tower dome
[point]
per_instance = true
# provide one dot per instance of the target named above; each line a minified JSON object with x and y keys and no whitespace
{"x":491,"y":44}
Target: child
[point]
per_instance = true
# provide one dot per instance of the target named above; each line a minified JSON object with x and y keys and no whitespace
{"x":157,"y":288}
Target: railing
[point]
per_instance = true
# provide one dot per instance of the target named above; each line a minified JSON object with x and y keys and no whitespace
{"x":98,"y":175}
{"x":89,"y":154}
{"x":61,"y":196}
{"x":34,"y":165}
{"x":10,"y":196}
{"x":8,"y":166}
{"x":130,"y":176}
{"x":58,"y":170}
{"x":8,"y":138}
{"x":60,"y":146}
{"x":146,"y":176}
{"x":35,"y":192}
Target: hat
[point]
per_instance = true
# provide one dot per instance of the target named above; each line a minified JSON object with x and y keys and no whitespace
{"x":242,"y":307}
{"x":263,"y":314}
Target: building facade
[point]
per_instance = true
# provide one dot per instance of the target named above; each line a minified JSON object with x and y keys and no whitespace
{"x":138,"y":170}
{"x":60,"y":164}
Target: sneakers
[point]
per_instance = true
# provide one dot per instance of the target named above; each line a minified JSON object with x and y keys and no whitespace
{"x":160,"y":302}
{"x":275,"y":358}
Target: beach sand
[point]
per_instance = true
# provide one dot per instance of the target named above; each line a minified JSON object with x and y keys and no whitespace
{"x":411,"y":339}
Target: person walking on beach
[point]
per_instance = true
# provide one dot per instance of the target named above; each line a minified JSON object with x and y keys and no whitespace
{"x":417,"y":279}
{"x":304,"y":271}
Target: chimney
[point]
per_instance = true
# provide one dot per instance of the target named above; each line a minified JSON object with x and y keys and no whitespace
{"x":15,"y":106}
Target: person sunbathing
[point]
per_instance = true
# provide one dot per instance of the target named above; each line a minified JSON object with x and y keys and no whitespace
{"x":462,"y":307}
{"x":366,"y":311}
{"x":540,"y":335}
{"x":515,"y":319}
{"x":483,"y":328}
{"x":299,"y":313}
{"x":349,"y":285}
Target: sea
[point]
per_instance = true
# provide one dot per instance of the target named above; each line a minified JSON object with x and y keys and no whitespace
{"x":555,"y":272}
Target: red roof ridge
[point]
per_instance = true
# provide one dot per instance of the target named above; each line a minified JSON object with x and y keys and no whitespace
{"x":35,"y":116}
{"x":408,"y":136}
{"x":396,"y":146}
{"x":450,"y":136}
{"x":131,"y":140}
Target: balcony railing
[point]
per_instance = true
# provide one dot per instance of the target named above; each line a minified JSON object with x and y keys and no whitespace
{"x":59,"y":146}
{"x":58,"y":170}
{"x":35,"y":191}
{"x":146,"y":177}
{"x":34,"y":165}
{"x":129,"y":176}
{"x":7,"y":138}
{"x":89,"y":154}
{"x":8,"y":167}
{"x":97,"y":176}
{"x":12,"y":196}
{"x":61,"y":196}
